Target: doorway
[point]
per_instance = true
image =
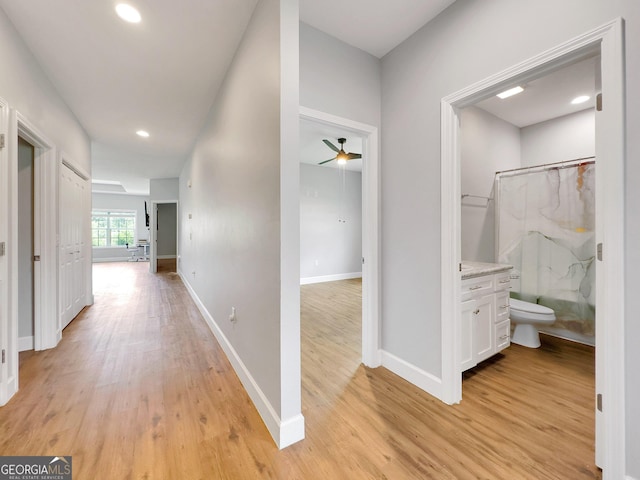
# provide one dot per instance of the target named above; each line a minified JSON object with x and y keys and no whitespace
{"x":25,"y":245}
{"x":163,"y":237}
{"x":44,"y":312}
{"x":166,"y":236}
{"x":371,"y":355}
{"x":610,"y":366}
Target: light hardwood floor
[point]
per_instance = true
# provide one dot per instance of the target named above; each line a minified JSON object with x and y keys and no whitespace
{"x":139,"y":389}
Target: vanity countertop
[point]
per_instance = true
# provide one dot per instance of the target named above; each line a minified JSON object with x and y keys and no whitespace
{"x":477,"y":269}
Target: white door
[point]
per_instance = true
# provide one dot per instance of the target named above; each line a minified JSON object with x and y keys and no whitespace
{"x":467,"y":347}
{"x":72,"y":245}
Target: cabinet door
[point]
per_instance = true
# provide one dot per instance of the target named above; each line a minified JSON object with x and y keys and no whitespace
{"x":484,"y":316}
{"x":467,"y":345}
{"x":502,"y":306}
{"x":503,"y":334}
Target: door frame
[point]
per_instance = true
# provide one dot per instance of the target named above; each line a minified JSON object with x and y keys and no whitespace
{"x":45,"y":229}
{"x":153,"y":251}
{"x":14,"y":124}
{"x":610,"y":145}
{"x":8,"y":329}
{"x":371,"y":350}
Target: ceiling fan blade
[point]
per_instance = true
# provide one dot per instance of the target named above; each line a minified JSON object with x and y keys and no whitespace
{"x":327,"y":161}
{"x":353,"y":156}
{"x":331,"y":145}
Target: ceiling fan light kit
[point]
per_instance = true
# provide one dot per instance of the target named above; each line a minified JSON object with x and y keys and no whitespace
{"x":341,"y":156}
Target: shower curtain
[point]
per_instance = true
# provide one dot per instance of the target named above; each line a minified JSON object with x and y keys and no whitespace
{"x":545,"y":228}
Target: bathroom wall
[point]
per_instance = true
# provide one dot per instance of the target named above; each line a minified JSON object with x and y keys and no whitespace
{"x":559,"y":140}
{"x":488,"y":144}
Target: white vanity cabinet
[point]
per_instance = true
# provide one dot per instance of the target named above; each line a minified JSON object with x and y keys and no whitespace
{"x":485,"y":317}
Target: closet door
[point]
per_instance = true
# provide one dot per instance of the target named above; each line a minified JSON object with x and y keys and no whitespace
{"x":73,"y":189}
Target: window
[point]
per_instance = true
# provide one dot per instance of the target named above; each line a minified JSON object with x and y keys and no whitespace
{"x":112,"y":229}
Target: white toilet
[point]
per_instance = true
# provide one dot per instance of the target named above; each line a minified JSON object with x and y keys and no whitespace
{"x":527,"y":317}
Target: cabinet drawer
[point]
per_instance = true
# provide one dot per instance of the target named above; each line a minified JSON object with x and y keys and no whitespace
{"x":475,"y":287}
{"x":502,"y":306}
{"x":503,"y":335}
{"x":503,"y":281}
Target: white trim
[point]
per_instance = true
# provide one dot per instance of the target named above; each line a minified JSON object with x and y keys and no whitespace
{"x":370,"y":230}
{"x":25,"y":343}
{"x":110,"y":260}
{"x":330,"y":278}
{"x":284,"y":432}
{"x":64,"y":159}
{"x":166,"y":257}
{"x":8,"y":327}
{"x":418,"y":377}
{"x":610,"y":39}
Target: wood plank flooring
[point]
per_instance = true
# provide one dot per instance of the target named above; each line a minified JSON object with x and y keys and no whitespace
{"x":139,"y":389}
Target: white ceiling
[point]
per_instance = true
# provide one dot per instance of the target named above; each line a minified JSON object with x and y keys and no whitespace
{"x":162,"y":75}
{"x":549,"y":96}
{"x":375,"y":26}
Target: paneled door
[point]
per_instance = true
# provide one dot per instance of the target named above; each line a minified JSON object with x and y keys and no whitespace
{"x":73,"y":194}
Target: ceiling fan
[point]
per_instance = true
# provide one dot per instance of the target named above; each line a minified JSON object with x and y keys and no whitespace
{"x":341,"y":156}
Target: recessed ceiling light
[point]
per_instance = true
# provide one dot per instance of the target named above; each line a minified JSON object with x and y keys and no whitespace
{"x":580,"y":99}
{"x":142,"y":133}
{"x":128,"y":13}
{"x":511,"y":92}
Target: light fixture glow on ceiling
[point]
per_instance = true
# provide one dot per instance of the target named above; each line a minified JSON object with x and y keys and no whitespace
{"x":128,"y":13}
{"x":580,"y":99}
{"x":511,"y":92}
{"x":142,"y":133}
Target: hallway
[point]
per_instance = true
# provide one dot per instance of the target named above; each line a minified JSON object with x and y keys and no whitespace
{"x":139,"y":389}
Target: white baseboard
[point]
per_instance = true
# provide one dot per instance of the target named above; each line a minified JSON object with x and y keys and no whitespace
{"x":25,"y":343}
{"x":284,"y":432}
{"x":628,"y":477}
{"x":330,"y":278}
{"x":166,"y":257}
{"x":110,"y":259}
{"x":412,"y":374}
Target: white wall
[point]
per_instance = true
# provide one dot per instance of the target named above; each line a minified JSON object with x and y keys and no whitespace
{"x":337,"y":78}
{"x":330,"y":224}
{"x":488,"y":144}
{"x":468,"y":42}
{"x":231,"y":246}
{"x":559,"y":140}
{"x":163,"y":189}
{"x":107,"y":201}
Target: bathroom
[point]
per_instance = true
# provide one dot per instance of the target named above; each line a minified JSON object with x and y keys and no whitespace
{"x":537,"y":213}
